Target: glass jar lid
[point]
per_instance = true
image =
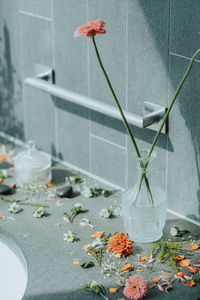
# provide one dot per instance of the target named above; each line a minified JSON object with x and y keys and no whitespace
{"x":32,"y":158}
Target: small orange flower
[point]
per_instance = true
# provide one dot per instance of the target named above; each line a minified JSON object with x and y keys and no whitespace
{"x":180,"y":257}
{"x":113,"y":290}
{"x":190,"y":283}
{"x":193,"y":269}
{"x":49,"y":185}
{"x":126,"y":267}
{"x":194,"y":246}
{"x":14,"y":186}
{"x":185,"y":263}
{"x":1,"y":216}
{"x":3,"y":158}
{"x":156,"y":279}
{"x":71,"y":253}
{"x":98,"y":234}
{"x":1,"y":180}
{"x":120,"y":244}
{"x":198,"y":260}
{"x":181,"y":274}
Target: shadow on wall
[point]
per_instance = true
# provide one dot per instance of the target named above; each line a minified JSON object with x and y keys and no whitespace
{"x":10,"y":94}
{"x":189,"y":98}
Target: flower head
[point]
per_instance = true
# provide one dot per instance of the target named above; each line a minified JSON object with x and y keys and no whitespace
{"x":91,"y":28}
{"x":120,"y":244}
{"x":14,"y":208}
{"x":39,"y":212}
{"x":69,"y":237}
{"x":135,"y":287}
{"x":105,"y":213}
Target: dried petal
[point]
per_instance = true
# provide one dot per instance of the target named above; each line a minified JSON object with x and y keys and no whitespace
{"x":151,"y":286}
{"x":160,"y":288}
{"x":194,"y":246}
{"x":185,"y":263}
{"x":113,"y":290}
{"x":156,"y":279}
{"x":98,"y":234}
{"x":191,"y":283}
{"x":193,"y":269}
{"x":181,"y":274}
{"x":180,"y":257}
{"x":76,"y":262}
{"x":126,"y":267}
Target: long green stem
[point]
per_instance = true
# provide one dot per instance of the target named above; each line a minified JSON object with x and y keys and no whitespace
{"x":172,"y":103}
{"x":116,"y":100}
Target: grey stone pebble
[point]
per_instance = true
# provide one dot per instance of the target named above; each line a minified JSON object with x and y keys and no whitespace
{"x":5,"y":189}
{"x":65,"y":191}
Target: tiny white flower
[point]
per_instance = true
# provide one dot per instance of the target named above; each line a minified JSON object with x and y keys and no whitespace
{"x":93,"y":283}
{"x":69,"y":237}
{"x":104,"y":213}
{"x":14,"y":208}
{"x":78,"y":205}
{"x":86,"y":192}
{"x":5,"y":173}
{"x":96,"y":243}
{"x":117,"y":212}
{"x":173,"y":231}
{"x":39,"y":212}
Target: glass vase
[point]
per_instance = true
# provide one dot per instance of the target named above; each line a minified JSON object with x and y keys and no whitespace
{"x":144,"y":206}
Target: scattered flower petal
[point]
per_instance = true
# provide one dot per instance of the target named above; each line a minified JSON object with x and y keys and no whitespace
{"x":98,"y":234}
{"x":190,"y":283}
{"x":181,"y":274}
{"x":126,"y":268}
{"x":180,"y":257}
{"x":151,"y":286}
{"x":3,"y":158}
{"x":174,"y":231}
{"x":194,"y":246}
{"x":185,"y":263}
{"x":1,"y":180}
{"x":160,"y":288}
{"x":71,"y":253}
{"x":113,"y":290}
{"x":156,"y":279}
{"x":1,"y":216}
{"x":193,"y":269}
{"x":76,"y":262}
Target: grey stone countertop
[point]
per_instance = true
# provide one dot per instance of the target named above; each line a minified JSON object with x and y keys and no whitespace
{"x":51,"y":272}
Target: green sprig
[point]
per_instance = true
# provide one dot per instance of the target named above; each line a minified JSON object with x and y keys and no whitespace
{"x":24,"y":203}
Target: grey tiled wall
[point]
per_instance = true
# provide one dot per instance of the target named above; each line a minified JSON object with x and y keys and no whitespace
{"x":146,"y":51}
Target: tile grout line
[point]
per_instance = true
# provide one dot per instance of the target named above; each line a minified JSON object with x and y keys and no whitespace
{"x":107,"y":141}
{"x":89,"y":92}
{"x":126,"y":76}
{"x":54,"y":65}
{"x":182,"y":56}
{"x":34,"y":15}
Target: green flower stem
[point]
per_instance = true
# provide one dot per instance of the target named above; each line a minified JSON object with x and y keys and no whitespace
{"x":24,"y":203}
{"x":172,"y":103}
{"x":116,"y":100}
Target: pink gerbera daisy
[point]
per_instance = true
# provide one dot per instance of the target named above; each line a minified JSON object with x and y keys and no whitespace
{"x":135,"y":287}
{"x":91,"y":28}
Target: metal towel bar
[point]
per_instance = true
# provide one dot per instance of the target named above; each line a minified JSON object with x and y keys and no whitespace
{"x":40,"y":82}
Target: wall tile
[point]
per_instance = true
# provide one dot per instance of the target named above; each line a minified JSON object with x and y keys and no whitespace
{"x":38,"y":7}
{"x":113,"y":54}
{"x":184,"y":37}
{"x":108,"y":161}
{"x":11,"y":101}
{"x":73,"y":134}
{"x":71,"y":73}
{"x":184,"y":127}
{"x":148,"y":25}
{"x":70,"y":52}
{"x":39,"y":108}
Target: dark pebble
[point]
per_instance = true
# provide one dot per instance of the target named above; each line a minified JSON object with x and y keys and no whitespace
{"x":65,"y":191}
{"x":5,"y":189}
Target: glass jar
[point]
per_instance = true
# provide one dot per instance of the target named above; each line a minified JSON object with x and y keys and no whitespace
{"x":32,"y":166}
{"x":144,"y":206}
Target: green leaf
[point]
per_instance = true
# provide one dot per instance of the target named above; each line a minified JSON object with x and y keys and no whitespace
{"x":87,"y":265}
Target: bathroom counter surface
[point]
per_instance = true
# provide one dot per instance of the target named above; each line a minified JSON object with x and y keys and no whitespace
{"x":51,"y":272}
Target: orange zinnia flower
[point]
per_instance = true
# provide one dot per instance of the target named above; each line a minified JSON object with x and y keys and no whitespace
{"x":185,"y":263}
{"x":120,"y":244}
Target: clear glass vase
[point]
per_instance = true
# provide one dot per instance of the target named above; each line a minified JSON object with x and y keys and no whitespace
{"x":144,"y":205}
